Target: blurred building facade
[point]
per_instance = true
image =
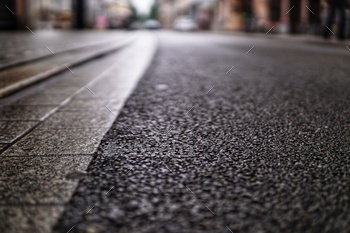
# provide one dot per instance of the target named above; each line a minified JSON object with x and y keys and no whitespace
{"x":64,"y":14}
{"x":36,"y":14}
{"x":287,"y":16}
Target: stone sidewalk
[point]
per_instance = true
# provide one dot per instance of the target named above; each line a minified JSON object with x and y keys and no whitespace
{"x":40,"y":66}
{"x":24,"y":46}
{"x":49,"y":133}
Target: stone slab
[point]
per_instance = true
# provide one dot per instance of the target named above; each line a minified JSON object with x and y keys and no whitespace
{"x":40,"y":180}
{"x":28,"y":112}
{"x":41,"y":98}
{"x":57,"y":142}
{"x":91,"y":119}
{"x":10,"y":130}
{"x":92,"y":105}
{"x":28,"y":219}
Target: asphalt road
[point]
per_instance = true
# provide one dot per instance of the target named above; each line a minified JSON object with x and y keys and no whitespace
{"x":263,"y":148}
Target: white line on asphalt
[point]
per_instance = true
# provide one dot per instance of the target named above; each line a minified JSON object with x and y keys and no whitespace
{"x":70,"y":70}
{"x":229,"y":70}
{"x":189,"y":110}
{"x":310,"y":10}
{"x":169,"y":130}
{"x":70,"y":229}
{"x":109,"y":190}
{"x":90,"y":90}
{"x":347,"y":47}
{"x":329,"y":29}
{"x":168,"y":168}
{"x":90,"y":209}
{"x":50,"y":50}
{"x":229,"y":229}
{"x":250,"y":49}
{"x":209,"y":90}
{"x":189,"y":189}
{"x":269,"y":30}
{"x":290,"y":9}
{"x":30,"y":30}
{"x":10,"y":10}
{"x":110,"y":110}
{"x":210,"y":210}
{"x":128,"y":171}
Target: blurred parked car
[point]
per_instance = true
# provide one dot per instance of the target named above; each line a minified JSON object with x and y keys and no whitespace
{"x":184,"y":23}
{"x":152,"y":24}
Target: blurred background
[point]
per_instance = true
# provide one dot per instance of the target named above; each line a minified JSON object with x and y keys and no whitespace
{"x":229,"y":15}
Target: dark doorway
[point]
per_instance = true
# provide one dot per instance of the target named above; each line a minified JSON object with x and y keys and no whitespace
{"x":8,"y":20}
{"x":275,"y":10}
{"x":248,"y":17}
{"x":314,"y":17}
{"x":294,"y":16}
{"x":78,"y":8}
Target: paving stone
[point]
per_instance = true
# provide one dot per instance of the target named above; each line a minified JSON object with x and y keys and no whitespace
{"x":103,"y":93}
{"x":93,"y":104}
{"x":91,"y":119}
{"x":57,"y":141}
{"x":41,"y":99}
{"x":60,"y":90}
{"x":33,"y":191}
{"x":10,"y":130}
{"x":44,"y":167}
{"x":24,"y":112}
{"x":14,"y":75}
{"x":28,"y":219}
{"x":40,"y":180}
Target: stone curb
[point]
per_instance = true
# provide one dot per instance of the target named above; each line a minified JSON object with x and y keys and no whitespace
{"x":39,"y":77}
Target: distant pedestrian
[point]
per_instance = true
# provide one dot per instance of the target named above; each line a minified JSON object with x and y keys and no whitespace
{"x":336,"y":7}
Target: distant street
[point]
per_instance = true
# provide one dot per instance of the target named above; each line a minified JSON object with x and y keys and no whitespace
{"x":225,"y":133}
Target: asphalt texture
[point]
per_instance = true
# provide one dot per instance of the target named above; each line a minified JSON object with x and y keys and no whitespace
{"x":264,"y":150}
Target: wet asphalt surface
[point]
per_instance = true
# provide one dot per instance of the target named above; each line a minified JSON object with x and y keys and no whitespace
{"x":266,"y":150}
